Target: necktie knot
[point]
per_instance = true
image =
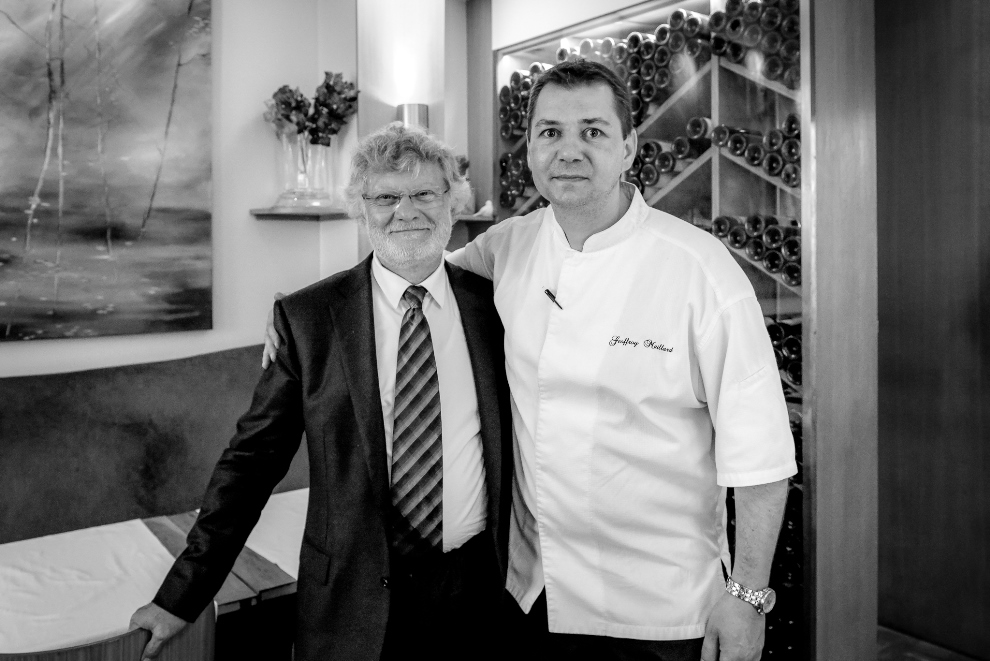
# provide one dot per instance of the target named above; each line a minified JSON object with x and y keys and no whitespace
{"x":414,"y":296}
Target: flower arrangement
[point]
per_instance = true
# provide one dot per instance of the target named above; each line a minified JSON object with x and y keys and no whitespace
{"x":290,"y":112}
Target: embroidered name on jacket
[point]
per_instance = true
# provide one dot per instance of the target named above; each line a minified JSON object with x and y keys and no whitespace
{"x":647,"y":344}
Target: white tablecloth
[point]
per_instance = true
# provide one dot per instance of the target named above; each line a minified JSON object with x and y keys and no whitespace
{"x":77,"y":587}
{"x":279,"y":532}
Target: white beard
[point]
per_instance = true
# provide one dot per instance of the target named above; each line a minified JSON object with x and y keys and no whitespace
{"x":392,"y":253}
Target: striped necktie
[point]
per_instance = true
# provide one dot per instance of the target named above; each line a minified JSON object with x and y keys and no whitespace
{"x":417,"y":456}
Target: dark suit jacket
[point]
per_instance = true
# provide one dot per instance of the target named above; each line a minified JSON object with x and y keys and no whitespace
{"x":324,"y":382}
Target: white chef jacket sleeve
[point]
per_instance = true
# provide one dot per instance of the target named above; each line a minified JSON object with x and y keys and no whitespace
{"x":753,"y":441}
{"x":477,"y":257}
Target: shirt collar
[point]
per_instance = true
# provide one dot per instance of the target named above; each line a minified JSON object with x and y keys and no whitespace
{"x":394,"y":285}
{"x":610,"y":236}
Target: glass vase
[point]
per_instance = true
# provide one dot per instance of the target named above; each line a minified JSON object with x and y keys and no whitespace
{"x":306,"y":173}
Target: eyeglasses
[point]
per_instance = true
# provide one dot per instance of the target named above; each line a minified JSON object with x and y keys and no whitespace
{"x":421,"y":199}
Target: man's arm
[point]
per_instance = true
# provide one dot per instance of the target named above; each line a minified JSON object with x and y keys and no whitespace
{"x":735,"y":631}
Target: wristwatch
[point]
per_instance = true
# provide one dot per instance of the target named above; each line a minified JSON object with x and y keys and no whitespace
{"x":762,"y":600}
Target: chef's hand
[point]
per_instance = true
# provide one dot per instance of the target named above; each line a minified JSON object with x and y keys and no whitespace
{"x":272,"y":340}
{"x":162,"y":625}
{"x":734,"y":632}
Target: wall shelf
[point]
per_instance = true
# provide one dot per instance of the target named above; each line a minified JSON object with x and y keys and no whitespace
{"x":302,"y":213}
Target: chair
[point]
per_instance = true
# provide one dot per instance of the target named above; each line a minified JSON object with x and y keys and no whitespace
{"x":194,"y":643}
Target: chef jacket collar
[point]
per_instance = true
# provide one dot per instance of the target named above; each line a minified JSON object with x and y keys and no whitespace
{"x":394,"y":286}
{"x":610,"y":236}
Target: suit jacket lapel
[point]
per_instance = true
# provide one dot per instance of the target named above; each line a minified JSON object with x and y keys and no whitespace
{"x":477,"y":323}
{"x":354,"y":330}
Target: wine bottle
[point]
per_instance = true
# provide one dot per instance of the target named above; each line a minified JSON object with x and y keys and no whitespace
{"x":503,"y":113}
{"x":719,"y":45}
{"x":793,"y":371}
{"x":773,"y":261}
{"x":791,"y":249}
{"x":562,"y":54}
{"x":773,"y":139}
{"x":791,"y":125}
{"x":622,"y":71}
{"x":506,"y":200}
{"x":650,"y":149}
{"x":773,"y":164}
{"x":663,"y":80}
{"x":504,"y":95}
{"x":539,"y":68}
{"x":647,"y":70}
{"x":635,"y":100}
{"x":620,"y":52}
{"x":605,"y":48}
{"x":776,"y":333}
{"x":636,"y":166}
{"x":700,"y":50}
{"x":774,"y":235}
{"x":505,"y":180}
{"x":634,"y":83}
{"x":755,"y":154}
{"x":662,"y":34}
{"x":661,"y":57}
{"x":791,"y":150}
{"x":648,"y":47}
{"x":667,"y":163}
{"x":516,"y":166}
{"x":634,"y":62}
{"x":699,"y":127}
{"x":790,"y":27}
{"x":735,"y":52}
{"x":677,"y":42}
{"x":503,"y":162}
{"x":791,"y":274}
{"x":588,"y":47}
{"x":737,"y":237}
{"x":790,"y":51}
{"x":755,"y":224}
{"x":771,"y":43}
{"x":677,"y":18}
{"x":637,"y":182}
{"x":685,"y":147}
{"x":635,"y":40}
{"x":751,"y":36}
{"x":722,"y":224}
{"x":752,"y":11}
{"x":773,"y":68}
{"x":717,"y":22}
{"x":734,"y":7}
{"x":791,"y":175}
{"x":740,"y":141}
{"x":697,"y":25}
{"x":650,"y":92}
{"x":515,"y":101}
{"x":735,"y":28}
{"x":517,"y":187}
{"x":649,"y":175}
{"x":778,"y":356}
{"x":516,"y":79}
{"x":505,"y":131}
{"x":755,"y":249}
{"x":771,"y":18}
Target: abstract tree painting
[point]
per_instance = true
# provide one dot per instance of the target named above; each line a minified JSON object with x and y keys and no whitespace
{"x":105,"y":170}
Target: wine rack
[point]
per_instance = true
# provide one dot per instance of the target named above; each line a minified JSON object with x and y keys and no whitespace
{"x":700,"y":73}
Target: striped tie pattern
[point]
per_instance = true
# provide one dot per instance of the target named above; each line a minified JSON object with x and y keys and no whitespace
{"x":417,"y":456}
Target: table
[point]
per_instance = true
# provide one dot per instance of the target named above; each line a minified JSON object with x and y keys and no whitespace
{"x":79,"y":586}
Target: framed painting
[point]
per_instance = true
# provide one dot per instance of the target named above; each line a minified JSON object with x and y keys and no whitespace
{"x":105,"y":183}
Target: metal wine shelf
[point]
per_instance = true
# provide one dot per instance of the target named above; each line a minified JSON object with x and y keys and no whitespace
{"x":740,"y":70}
{"x":760,"y":172}
{"x":681,"y":176}
{"x":759,"y":265}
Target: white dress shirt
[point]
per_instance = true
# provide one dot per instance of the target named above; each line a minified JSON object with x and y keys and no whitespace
{"x":464,"y":494}
{"x":651,"y":388}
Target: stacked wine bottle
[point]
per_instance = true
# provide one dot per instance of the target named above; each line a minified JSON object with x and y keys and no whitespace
{"x":778,"y":151}
{"x":657,"y":161}
{"x":515,"y":180}
{"x":774,"y":244}
{"x":763,"y":34}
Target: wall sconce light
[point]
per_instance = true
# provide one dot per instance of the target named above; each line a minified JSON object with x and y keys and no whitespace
{"x":414,"y":114}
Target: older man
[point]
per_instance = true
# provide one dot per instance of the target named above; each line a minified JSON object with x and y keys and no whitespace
{"x":394,"y":370}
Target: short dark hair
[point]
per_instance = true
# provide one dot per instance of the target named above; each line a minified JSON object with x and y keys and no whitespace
{"x":582,"y":73}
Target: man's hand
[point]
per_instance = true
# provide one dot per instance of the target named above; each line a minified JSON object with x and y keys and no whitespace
{"x":272,"y":340}
{"x":734,"y":632}
{"x":162,"y":625}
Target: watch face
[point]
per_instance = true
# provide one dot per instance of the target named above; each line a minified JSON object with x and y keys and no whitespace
{"x":769,"y":599}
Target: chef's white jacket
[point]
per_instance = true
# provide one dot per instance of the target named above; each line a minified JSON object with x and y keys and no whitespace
{"x":635,"y":402}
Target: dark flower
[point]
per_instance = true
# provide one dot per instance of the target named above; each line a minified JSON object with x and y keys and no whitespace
{"x":289,"y":111}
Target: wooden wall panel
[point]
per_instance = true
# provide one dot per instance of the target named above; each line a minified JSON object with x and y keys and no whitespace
{"x":933,"y":97}
{"x":88,"y":448}
{"x":839,"y":254}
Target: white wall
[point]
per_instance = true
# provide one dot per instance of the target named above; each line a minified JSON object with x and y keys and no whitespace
{"x":455,"y":129}
{"x":514,"y":21}
{"x":258,"y":45}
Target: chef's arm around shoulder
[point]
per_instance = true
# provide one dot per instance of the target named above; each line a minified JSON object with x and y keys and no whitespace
{"x":759,"y":514}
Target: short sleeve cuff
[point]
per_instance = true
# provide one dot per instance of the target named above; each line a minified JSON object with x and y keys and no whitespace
{"x":754,"y":478}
